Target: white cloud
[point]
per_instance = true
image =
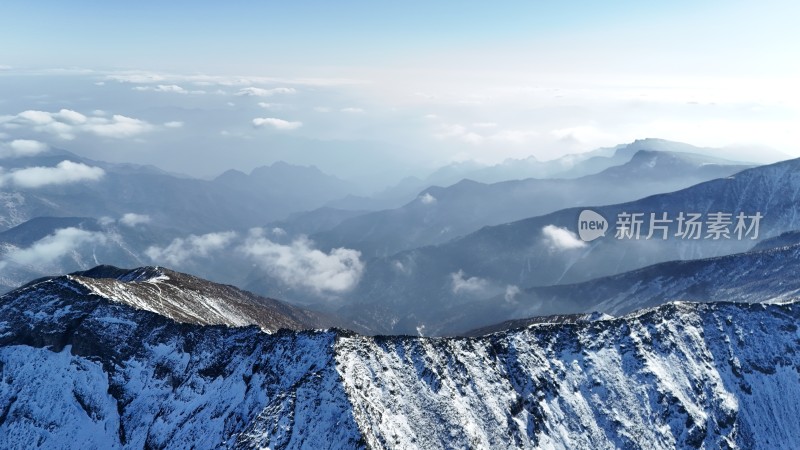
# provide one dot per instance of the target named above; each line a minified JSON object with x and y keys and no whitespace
{"x":22,"y":147}
{"x":561,"y":238}
{"x":460,"y":132}
{"x":460,"y":284}
{"x":70,"y":116}
{"x":302,"y":266}
{"x":169,"y":88}
{"x":117,"y":127}
{"x":173,"y":88}
{"x":511,"y":294}
{"x":484,"y":124}
{"x":427,"y":199}
{"x":259,"y":92}
{"x":322,"y":109}
{"x":184,"y":249}
{"x":278,"y":231}
{"x":352,"y":110}
{"x":63,"y":173}
{"x":137,"y":77}
{"x":147,"y":77}
{"x":173,"y":124}
{"x":133,"y":219}
{"x":67,"y":124}
{"x":278,"y":124}
{"x":53,"y":247}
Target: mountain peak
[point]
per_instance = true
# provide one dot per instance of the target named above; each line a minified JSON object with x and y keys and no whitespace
{"x":189,"y":299}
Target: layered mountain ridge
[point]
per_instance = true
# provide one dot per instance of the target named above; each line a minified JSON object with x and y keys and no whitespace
{"x":78,"y":370}
{"x":185,"y":298}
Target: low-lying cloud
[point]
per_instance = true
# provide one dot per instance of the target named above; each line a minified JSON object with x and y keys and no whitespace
{"x":22,"y":147}
{"x":301,"y":266}
{"x":181,"y":250}
{"x":66,"y":124}
{"x":64,"y":172}
{"x":512,"y":291}
{"x":278,"y":124}
{"x":558,"y":238}
{"x":460,"y":284}
{"x":133,"y":219}
{"x":427,"y":199}
{"x":53,"y":247}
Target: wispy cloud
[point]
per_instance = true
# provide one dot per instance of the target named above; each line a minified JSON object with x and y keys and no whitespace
{"x":53,"y":247}
{"x":64,"y":172}
{"x":149,"y":77}
{"x":512,"y":291}
{"x":260,"y":92}
{"x":171,"y":88}
{"x":427,"y":199}
{"x":173,"y":124}
{"x":278,"y":124}
{"x":181,"y":250}
{"x":301,"y":266}
{"x":460,"y":132}
{"x":133,"y":219}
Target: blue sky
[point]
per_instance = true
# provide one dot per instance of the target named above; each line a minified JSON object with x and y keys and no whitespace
{"x":424,"y":82}
{"x":292,"y":36}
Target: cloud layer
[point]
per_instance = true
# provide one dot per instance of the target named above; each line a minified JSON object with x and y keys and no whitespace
{"x":561,"y":239}
{"x":22,"y":147}
{"x":132,"y":219}
{"x":302,"y":266}
{"x":278,"y":124}
{"x":66,"y":124}
{"x":53,"y":247}
{"x":259,"y":92}
{"x":182,"y":250}
{"x":64,"y":172}
{"x":460,"y":284}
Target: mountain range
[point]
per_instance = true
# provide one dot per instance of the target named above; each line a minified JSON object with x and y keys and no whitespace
{"x":439,"y":214}
{"x":232,"y":201}
{"x":80,"y":369}
{"x":400,"y":292}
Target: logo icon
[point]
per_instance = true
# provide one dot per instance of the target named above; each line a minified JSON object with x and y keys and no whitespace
{"x":591,"y":225}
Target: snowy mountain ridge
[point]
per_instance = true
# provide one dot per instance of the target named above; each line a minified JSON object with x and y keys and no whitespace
{"x":188,"y":299}
{"x":78,"y":370}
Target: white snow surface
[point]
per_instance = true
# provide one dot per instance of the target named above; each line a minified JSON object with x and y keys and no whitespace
{"x":78,"y":371}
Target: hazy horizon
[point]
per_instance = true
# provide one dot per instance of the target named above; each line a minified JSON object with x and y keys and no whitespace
{"x":372,"y":92}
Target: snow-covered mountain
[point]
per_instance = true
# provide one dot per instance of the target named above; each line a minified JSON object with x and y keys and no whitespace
{"x":186,"y":299}
{"x":79,"y":370}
